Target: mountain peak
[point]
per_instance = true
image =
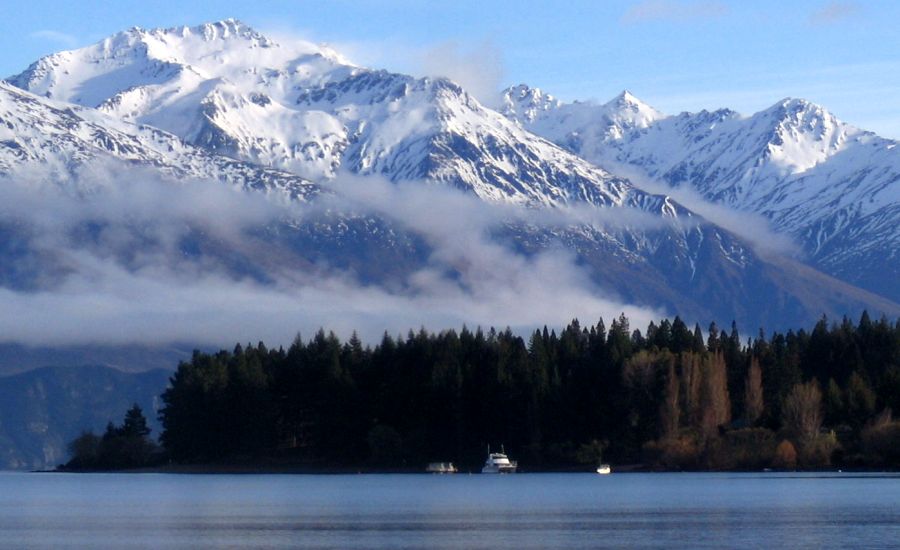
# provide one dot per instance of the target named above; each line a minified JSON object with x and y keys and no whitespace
{"x":797,"y":105}
{"x":218,"y":30}
{"x":628,"y":111}
{"x":138,"y":61}
{"x":526,"y":103}
{"x":225,"y":29}
{"x":800,"y":116}
{"x":524,"y":92}
{"x":628,"y":100}
{"x":626,"y":96}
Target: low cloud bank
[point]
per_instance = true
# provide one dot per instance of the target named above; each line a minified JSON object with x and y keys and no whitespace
{"x":114,"y":242}
{"x":753,"y":228}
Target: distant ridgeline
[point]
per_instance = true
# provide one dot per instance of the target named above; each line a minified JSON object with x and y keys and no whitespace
{"x":41,"y":410}
{"x":664,"y":398}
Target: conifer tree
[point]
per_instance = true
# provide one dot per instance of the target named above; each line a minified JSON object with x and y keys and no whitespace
{"x":135,"y":425}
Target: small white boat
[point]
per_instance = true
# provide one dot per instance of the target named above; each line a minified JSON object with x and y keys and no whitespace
{"x":604,"y":469}
{"x":441,"y":468}
{"x":499,"y":463}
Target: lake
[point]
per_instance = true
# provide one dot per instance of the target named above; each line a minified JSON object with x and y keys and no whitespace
{"x":451,"y":511}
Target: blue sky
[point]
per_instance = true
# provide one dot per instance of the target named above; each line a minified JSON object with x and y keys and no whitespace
{"x":674,"y":54}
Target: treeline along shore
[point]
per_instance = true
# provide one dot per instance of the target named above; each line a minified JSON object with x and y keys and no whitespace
{"x":666,"y":398}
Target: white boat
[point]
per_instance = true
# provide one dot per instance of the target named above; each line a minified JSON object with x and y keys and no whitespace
{"x":604,"y":469}
{"x":499,"y":463}
{"x":441,"y":468}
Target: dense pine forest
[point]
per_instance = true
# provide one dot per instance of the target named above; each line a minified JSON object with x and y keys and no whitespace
{"x":666,"y":398}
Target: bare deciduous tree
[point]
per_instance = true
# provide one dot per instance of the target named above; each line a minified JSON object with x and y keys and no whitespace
{"x":691,"y":377}
{"x":714,"y":399}
{"x":670,"y":410}
{"x":753,"y":393}
{"x":802,"y":412}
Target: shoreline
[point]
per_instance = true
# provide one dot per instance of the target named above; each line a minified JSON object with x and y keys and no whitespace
{"x":247,"y":469}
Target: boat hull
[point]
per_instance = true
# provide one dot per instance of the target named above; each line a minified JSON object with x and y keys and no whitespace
{"x":498,"y":470}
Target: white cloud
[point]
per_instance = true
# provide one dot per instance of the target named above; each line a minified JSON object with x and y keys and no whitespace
{"x":66,"y":40}
{"x":124,"y":278}
{"x":753,"y":228}
{"x":477,"y":68}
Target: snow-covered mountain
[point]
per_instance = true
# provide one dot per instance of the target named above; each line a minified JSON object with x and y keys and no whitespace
{"x":832,"y":187}
{"x":303,"y":108}
{"x":221,"y":101}
{"x":211,"y":85}
{"x":55,"y":141}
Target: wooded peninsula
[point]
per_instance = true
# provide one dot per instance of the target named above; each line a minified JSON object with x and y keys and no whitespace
{"x":666,"y":398}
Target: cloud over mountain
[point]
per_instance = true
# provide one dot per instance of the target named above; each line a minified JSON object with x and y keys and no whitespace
{"x":125,"y":269}
{"x":209,"y":183}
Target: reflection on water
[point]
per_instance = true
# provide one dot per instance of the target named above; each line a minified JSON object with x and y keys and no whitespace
{"x":458,"y":511}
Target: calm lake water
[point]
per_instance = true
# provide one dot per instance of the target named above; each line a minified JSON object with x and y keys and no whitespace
{"x":454,"y":511}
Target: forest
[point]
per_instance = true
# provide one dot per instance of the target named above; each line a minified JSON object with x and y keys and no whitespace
{"x":667,"y":398}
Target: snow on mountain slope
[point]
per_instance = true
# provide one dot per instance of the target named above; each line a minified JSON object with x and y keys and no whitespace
{"x":584,"y":127}
{"x":303,"y":108}
{"x":339,"y":116}
{"x":219,"y":85}
{"x":832,"y":187}
{"x":54,"y":141}
{"x":441,"y":156}
{"x":230,"y":91}
{"x":433,"y":129}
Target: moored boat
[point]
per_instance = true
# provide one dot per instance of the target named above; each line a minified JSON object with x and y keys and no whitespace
{"x":499,"y":463}
{"x":604,"y":469}
{"x":441,"y":468}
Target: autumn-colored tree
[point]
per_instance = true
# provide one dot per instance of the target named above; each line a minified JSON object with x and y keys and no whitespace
{"x":662,"y":399}
{"x":802,"y":412}
{"x":691,"y":378}
{"x":785,"y":456}
{"x":715,"y":403}
{"x":753,"y":393}
{"x":669,"y":409}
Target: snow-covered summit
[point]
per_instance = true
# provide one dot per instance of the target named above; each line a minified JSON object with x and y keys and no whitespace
{"x":585,"y":127}
{"x":184,"y":80}
{"x":52,"y":142}
{"x":526,"y":104}
{"x":805,"y":134}
{"x":136,"y":57}
{"x":629,"y":111}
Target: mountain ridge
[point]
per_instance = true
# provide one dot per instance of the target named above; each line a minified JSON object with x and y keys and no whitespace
{"x":832,"y":187}
{"x":313,"y":114}
{"x":299,"y":121}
